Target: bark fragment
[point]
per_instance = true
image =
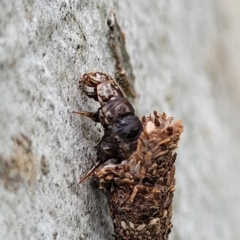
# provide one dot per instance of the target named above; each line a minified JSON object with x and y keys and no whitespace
{"x":124,"y":72}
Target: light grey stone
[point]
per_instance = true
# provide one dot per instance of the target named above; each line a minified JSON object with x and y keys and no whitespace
{"x":185,"y":56}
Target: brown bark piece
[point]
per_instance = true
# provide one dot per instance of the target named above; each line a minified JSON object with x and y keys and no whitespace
{"x":140,"y":190}
{"x":124,"y":73}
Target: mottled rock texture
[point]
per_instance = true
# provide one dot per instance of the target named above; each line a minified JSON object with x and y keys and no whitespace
{"x":185,"y":57}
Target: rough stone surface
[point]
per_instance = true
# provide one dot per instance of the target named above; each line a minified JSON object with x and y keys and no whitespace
{"x":185,"y":56}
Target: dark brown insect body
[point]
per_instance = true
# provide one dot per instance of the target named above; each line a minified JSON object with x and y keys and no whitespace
{"x":117,"y":116}
{"x":139,"y":177}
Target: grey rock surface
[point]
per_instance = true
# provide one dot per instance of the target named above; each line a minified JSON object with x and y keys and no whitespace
{"x":185,"y":56}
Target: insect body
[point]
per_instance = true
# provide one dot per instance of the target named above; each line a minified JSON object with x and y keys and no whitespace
{"x":117,"y":116}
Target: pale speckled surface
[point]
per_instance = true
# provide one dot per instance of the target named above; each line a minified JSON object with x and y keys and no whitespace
{"x":45,"y":47}
{"x":185,"y":59}
{"x":183,"y":68}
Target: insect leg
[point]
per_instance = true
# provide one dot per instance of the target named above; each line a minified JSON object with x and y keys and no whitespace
{"x":91,"y":94}
{"x":90,"y":172}
{"x":93,"y":115}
